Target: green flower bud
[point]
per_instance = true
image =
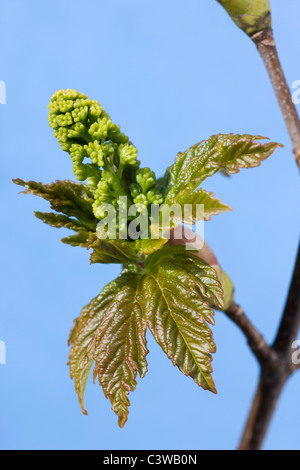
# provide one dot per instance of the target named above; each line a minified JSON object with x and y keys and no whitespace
{"x":109,"y":148}
{"x":128,"y":154}
{"x":95,"y":110}
{"x":81,"y":127}
{"x":108,"y":177}
{"x":141,"y":202}
{"x":102,"y":196}
{"x":80,"y":171}
{"x":93,"y":181}
{"x":146,"y":179}
{"x":64,"y":120}
{"x":77,"y":153}
{"x":95,"y":152}
{"x":135,"y":190}
{"x":251,"y":16}
{"x":62,"y":95}
{"x":53,"y":121}
{"x":62,"y":136}
{"x":79,"y":114}
{"x":65,"y":105}
{"x":76,"y":131}
{"x":115,"y":135}
{"x":99,"y":129}
{"x":154,"y":196}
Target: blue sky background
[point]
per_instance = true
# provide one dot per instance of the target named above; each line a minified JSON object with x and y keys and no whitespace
{"x":171,"y":73}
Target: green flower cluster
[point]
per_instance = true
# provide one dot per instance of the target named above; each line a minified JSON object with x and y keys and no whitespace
{"x":86,"y":131}
{"x":145,"y":192}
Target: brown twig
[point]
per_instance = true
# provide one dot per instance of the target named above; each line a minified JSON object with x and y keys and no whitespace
{"x":256,"y":342}
{"x":290,"y":322}
{"x":276,"y":368}
{"x":275,"y":361}
{"x":266,"y":46}
{"x":272,"y":380}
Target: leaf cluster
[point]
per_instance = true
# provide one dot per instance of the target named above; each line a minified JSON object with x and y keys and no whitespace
{"x":167,"y":289}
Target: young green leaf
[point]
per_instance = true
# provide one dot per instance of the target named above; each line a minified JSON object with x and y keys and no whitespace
{"x":121,"y":347}
{"x":149,"y":246}
{"x":79,"y":239}
{"x":59,"y":220}
{"x":211,"y":205}
{"x":178,"y":287}
{"x":230,"y":152}
{"x":172,"y":297}
{"x":72,"y":199}
{"x":83,"y":334}
{"x":182,"y":161}
{"x":112,"y":251}
{"x":111,"y":331}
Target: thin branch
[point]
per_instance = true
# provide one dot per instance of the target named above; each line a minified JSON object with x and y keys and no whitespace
{"x":290,"y":323}
{"x":267,"y":394}
{"x":277,"y":369}
{"x":275,"y":361}
{"x":275,"y":373}
{"x":256,"y":342}
{"x":266,"y":46}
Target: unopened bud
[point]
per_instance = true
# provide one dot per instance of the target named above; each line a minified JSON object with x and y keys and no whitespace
{"x":252,"y":16}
